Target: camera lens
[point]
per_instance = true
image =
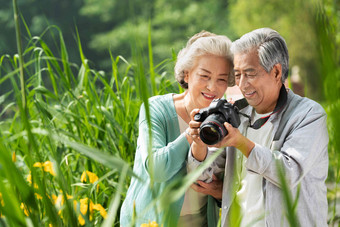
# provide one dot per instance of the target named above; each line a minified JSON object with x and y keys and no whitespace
{"x":212,"y":129}
{"x":209,"y":135}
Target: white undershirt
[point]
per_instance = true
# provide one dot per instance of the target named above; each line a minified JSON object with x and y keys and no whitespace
{"x":194,"y":202}
{"x":250,"y":195}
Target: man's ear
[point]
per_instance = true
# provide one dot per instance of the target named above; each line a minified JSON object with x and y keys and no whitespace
{"x":277,"y":71}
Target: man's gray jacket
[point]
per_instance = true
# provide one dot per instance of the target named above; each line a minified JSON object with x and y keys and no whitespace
{"x":300,"y":143}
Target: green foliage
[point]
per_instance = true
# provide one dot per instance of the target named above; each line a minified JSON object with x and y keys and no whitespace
{"x":77,"y":119}
{"x":328,"y":35}
{"x":83,"y":119}
{"x":170,"y":22}
{"x":108,"y":27}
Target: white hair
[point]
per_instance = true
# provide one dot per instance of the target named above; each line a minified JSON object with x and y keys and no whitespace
{"x":270,"y":45}
{"x":203,"y":43}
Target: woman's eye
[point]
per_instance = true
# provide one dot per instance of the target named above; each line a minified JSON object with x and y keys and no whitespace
{"x":204,"y":76}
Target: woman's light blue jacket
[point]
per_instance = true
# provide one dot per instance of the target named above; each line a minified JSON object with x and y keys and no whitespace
{"x":170,"y":150}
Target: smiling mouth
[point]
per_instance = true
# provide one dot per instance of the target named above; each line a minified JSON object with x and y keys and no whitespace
{"x":249,"y":93}
{"x":208,"y":96}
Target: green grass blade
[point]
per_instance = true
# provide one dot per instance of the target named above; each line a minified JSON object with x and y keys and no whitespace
{"x":93,"y":153}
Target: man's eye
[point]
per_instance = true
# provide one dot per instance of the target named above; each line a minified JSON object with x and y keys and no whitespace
{"x":251,"y":75}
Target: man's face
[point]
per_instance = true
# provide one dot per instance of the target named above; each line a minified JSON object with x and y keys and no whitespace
{"x":261,"y":89}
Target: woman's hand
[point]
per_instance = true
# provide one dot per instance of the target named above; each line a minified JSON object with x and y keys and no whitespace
{"x":198,"y":148}
{"x":214,"y":188}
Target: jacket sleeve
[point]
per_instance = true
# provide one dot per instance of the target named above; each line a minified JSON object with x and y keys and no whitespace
{"x":216,"y":167}
{"x":301,"y":149}
{"x":168,"y":156}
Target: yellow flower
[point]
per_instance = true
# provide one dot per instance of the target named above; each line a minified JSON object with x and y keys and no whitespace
{"x":81,"y":220}
{"x":37,"y":164}
{"x":48,"y":167}
{"x":55,"y":198}
{"x":75,"y":204}
{"x":59,"y":200}
{"x":24,"y":208}
{"x":84,"y":205}
{"x":92,"y":177}
{"x":1,"y":201}
{"x":29,"y":178}
{"x":14,"y":157}
{"x":101,"y":209}
{"x":69,"y":196}
{"x":83,"y":210}
{"x":38,"y":196}
{"x":152,"y":224}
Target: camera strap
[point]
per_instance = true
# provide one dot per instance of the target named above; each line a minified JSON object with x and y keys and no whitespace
{"x":281,"y":102}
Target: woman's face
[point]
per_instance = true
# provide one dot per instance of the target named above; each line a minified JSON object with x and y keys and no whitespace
{"x":207,"y":80}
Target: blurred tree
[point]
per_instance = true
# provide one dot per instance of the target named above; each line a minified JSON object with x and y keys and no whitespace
{"x":38,"y":14}
{"x":172,"y":23}
{"x":113,"y":25}
{"x":7,"y":42}
{"x":294,"y":20}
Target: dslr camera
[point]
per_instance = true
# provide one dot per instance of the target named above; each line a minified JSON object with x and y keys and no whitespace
{"x":213,"y":117}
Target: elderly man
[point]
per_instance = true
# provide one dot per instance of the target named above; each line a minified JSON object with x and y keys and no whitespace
{"x":278,"y":129}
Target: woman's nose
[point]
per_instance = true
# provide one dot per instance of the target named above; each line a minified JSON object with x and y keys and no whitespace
{"x":211,"y":85}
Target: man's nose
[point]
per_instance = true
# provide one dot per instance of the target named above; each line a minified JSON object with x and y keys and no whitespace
{"x":242,"y":81}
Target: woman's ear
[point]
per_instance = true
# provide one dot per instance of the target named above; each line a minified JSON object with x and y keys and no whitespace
{"x":186,"y":76}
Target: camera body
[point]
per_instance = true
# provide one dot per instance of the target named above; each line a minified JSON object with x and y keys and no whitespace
{"x":213,"y":117}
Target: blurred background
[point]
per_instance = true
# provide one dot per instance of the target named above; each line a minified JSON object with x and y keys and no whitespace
{"x":88,"y":66}
{"x":111,"y":26}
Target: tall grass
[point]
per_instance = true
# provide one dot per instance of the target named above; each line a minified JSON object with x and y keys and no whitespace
{"x":327,"y":28}
{"x":59,"y":119}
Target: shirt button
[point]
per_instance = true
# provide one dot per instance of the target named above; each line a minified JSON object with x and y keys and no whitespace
{"x":225,"y":207}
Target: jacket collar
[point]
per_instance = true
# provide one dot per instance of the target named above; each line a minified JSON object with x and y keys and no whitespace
{"x":280,"y":105}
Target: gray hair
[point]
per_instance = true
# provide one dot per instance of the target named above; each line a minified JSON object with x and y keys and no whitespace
{"x":203,"y":43}
{"x":270,"y":45}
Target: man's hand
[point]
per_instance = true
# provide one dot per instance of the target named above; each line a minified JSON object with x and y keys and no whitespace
{"x":236,"y":139}
{"x":213,"y":188}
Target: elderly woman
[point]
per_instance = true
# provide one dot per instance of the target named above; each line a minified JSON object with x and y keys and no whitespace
{"x":203,"y":69}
